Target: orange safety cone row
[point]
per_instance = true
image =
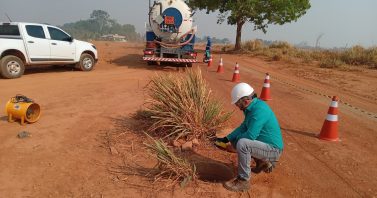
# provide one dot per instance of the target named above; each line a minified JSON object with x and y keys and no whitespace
{"x":329,"y":129}
{"x":266,"y":95}
{"x":220,"y":68}
{"x":236,"y":74}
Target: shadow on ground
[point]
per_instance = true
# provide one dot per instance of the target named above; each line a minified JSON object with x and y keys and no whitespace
{"x":304,"y":133}
{"x":48,"y":69}
{"x":135,"y":61}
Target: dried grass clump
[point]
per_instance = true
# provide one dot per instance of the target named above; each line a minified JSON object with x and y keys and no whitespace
{"x":170,"y":167}
{"x":330,"y":63}
{"x":182,"y":106}
{"x":277,"y":57}
{"x":357,"y":55}
{"x":227,"y":47}
{"x":306,"y":56}
{"x":280,"y":45}
{"x":252,"y":45}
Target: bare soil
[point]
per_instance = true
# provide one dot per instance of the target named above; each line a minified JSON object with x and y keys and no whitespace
{"x":88,"y":142}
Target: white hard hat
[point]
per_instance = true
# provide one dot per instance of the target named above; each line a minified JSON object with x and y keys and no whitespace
{"x":241,"y":90}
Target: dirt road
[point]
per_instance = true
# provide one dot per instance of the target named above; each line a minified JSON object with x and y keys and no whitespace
{"x":86,"y":113}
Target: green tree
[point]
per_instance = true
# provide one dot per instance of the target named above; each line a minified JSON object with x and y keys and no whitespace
{"x":99,"y":24}
{"x":102,"y":18}
{"x":260,"y":13}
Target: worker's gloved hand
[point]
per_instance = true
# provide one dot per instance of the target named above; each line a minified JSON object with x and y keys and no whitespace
{"x":223,"y":139}
{"x":222,"y":142}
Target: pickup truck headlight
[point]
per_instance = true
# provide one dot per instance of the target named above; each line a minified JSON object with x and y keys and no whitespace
{"x":94,"y":47}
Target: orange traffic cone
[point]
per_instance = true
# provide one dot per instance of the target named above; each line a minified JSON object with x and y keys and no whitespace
{"x":210,"y":62}
{"x":236,"y":74}
{"x":265,"y":95}
{"x":220,"y":68}
{"x":329,"y":129}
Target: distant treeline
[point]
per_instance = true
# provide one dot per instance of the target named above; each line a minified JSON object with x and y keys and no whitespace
{"x":100,"y":24}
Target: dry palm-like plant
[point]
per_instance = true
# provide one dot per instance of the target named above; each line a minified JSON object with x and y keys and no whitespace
{"x":171,"y":167}
{"x":182,"y":106}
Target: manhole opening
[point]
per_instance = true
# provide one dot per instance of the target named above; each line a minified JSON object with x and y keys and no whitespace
{"x":213,"y":172}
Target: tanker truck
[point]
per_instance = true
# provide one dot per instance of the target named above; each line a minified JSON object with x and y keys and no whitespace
{"x":170,"y":35}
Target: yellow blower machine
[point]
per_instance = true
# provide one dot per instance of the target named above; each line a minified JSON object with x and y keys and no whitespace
{"x":22,"y":108}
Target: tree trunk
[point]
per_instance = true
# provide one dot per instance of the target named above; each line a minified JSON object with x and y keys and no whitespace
{"x":240,"y":23}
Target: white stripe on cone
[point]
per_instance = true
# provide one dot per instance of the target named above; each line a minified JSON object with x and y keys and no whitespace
{"x":266,"y":84}
{"x":334,"y":104}
{"x":332,"y":118}
{"x":268,"y":77}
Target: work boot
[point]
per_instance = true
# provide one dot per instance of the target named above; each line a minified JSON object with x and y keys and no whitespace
{"x":261,"y":165}
{"x":237,"y":185}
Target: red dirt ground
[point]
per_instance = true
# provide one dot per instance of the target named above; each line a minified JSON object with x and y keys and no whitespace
{"x":84,"y":114}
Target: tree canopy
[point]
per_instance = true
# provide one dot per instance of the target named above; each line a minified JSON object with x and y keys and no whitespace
{"x":100,"y":23}
{"x":260,"y":13}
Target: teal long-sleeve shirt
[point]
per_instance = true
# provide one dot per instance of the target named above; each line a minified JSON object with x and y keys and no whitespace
{"x":260,"y":124}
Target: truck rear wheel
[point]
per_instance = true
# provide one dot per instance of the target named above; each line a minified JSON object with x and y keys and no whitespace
{"x":86,"y":62}
{"x":11,"y":67}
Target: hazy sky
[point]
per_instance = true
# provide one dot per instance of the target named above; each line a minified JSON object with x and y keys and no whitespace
{"x":342,"y":22}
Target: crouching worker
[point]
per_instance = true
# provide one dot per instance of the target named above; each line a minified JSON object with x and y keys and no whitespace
{"x":258,"y":137}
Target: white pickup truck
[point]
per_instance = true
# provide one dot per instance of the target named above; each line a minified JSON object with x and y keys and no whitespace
{"x":24,"y":44}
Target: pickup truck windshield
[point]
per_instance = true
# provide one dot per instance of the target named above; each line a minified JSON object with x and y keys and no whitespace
{"x":9,"y":30}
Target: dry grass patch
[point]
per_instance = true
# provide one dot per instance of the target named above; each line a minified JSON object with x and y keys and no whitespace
{"x":283,"y":51}
{"x":182,"y":106}
{"x":171,"y":167}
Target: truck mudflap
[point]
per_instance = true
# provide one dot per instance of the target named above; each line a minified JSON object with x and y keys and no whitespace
{"x":174,"y":60}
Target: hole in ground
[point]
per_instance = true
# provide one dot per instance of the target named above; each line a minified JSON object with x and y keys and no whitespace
{"x":213,"y":172}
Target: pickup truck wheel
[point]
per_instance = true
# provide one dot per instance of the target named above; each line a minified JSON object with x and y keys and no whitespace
{"x":86,"y":62}
{"x":11,"y":67}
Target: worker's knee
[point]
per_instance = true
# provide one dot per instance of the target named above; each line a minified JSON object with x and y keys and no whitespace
{"x":242,"y":144}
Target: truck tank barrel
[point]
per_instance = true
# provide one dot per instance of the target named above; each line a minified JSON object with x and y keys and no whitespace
{"x":170,"y":20}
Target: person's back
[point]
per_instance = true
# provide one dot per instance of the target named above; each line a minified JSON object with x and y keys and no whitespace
{"x":260,"y":124}
{"x":270,"y":132}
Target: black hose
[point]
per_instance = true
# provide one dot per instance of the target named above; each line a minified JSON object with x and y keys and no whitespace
{"x":21,"y":98}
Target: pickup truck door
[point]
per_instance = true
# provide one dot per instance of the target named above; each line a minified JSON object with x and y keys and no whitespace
{"x":63,"y":48}
{"x":37,"y":45}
